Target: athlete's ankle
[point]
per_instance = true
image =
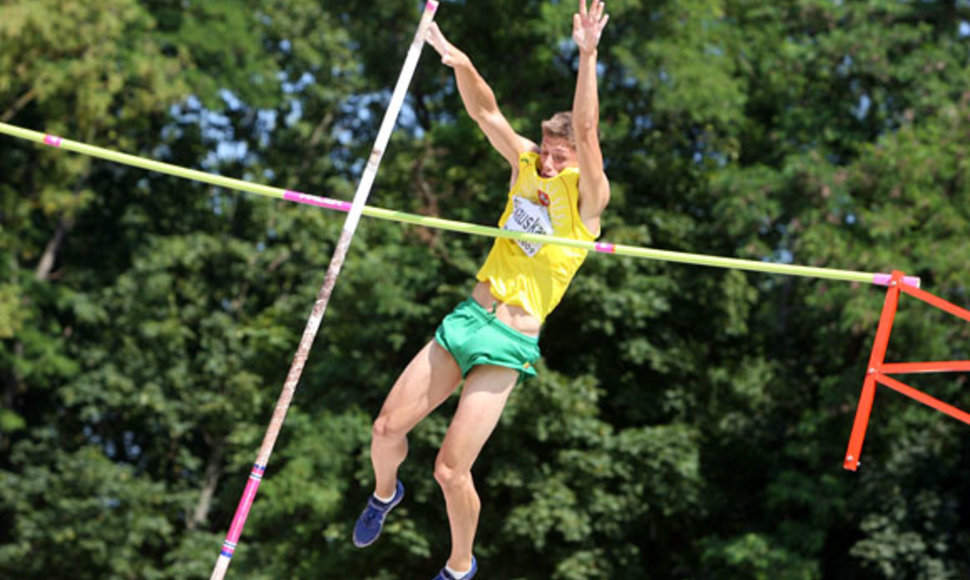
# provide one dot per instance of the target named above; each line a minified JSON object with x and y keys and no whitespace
{"x":383,"y":499}
{"x":459,"y":567}
{"x":390,"y":489}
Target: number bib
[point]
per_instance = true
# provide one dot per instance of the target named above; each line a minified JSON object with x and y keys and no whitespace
{"x":530,"y":218}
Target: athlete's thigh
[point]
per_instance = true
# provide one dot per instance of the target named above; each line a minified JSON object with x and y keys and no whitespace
{"x":430,"y":377}
{"x":483,"y":398}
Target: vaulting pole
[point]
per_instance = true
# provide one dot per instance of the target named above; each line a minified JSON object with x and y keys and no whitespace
{"x":320,"y":306}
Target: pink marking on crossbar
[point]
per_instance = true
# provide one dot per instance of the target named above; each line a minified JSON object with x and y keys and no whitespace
{"x":307,"y":199}
{"x":884,"y":279}
{"x":605,"y":248}
{"x":52,"y":140}
{"x":245,"y":503}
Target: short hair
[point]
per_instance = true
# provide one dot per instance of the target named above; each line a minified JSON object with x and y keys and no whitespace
{"x":560,"y":125}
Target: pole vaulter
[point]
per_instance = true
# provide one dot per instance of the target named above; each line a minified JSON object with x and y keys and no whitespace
{"x":877,"y":369}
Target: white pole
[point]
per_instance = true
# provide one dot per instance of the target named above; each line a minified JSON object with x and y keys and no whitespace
{"x":320,"y":306}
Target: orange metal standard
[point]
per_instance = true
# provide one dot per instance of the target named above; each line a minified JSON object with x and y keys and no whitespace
{"x":878,"y":369}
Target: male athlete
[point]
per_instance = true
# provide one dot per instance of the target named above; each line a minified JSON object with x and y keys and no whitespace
{"x":491,"y":340}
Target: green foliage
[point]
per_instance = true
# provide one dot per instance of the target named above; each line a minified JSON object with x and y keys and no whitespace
{"x":686,"y":423}
{"x":81,"y":515}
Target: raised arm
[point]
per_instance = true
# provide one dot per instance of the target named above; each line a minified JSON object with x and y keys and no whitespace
{"x":480,"y":101}
{"x":594,"y":188}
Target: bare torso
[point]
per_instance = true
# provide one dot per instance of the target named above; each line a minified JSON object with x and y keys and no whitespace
{"x":514,"y":316}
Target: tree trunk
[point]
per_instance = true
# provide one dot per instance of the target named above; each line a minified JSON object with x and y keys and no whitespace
{"x":64,"y":227}
{"x":210,"y":481}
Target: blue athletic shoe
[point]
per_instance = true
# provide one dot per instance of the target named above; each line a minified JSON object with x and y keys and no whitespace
{"x":446,"y":575}
{"x":371,"y":521}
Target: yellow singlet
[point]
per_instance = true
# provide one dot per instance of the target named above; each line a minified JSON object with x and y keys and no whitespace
{"x":535,"y":276}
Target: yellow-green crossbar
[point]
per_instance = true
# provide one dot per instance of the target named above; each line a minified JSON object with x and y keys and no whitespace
{"x":450,"y":225}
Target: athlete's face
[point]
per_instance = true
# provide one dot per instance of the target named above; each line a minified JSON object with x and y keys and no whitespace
{"x":555,"y":154}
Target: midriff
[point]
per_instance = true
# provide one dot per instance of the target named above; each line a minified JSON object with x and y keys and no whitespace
{"x":514,"y":316}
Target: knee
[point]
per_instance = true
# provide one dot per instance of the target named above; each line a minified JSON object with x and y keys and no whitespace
{"x":385,"y":428}
{"x":450,"y":477}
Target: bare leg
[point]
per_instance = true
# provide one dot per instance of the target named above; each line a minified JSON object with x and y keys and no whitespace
{"x":487,"y":388}
{"x":430,"y":377}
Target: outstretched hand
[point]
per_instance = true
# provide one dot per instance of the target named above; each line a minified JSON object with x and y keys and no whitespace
{"x":450,"y":56}
{"x":588,"y":25}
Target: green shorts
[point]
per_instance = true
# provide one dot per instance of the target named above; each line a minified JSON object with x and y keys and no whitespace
{"x":474,"y":336}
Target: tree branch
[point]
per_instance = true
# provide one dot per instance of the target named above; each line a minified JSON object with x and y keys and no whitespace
{"x":213,"y":472}
{"x":318,"y":132}
{"x":64,"y":227}
{"x":19,"y":104}
{"x":46,"y":264}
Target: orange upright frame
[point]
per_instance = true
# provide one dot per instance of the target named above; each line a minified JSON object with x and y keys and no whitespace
{"x":878,"y":369}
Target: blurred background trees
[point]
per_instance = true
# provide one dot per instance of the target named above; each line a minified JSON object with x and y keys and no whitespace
{"x":687,"y":422}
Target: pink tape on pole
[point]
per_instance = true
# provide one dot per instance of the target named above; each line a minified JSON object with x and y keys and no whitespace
{"x":432,"y":6}
{"x":325,"y":202}
{"x":884,"y":279}
{"x":52,"y":140}
{"x":242,"y":511}
{"x":605,"y":248}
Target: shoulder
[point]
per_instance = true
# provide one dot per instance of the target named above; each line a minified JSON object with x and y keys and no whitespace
{"x":528,"y":157}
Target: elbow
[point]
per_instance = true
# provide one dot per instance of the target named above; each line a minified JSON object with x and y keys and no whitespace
{"x":479,"y":114}
{"x":596,"y":199}
{"x":603,"y":199}
{"x":485,"y":117}
{"x":585,"y":126}
{"x":482,"y":110}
